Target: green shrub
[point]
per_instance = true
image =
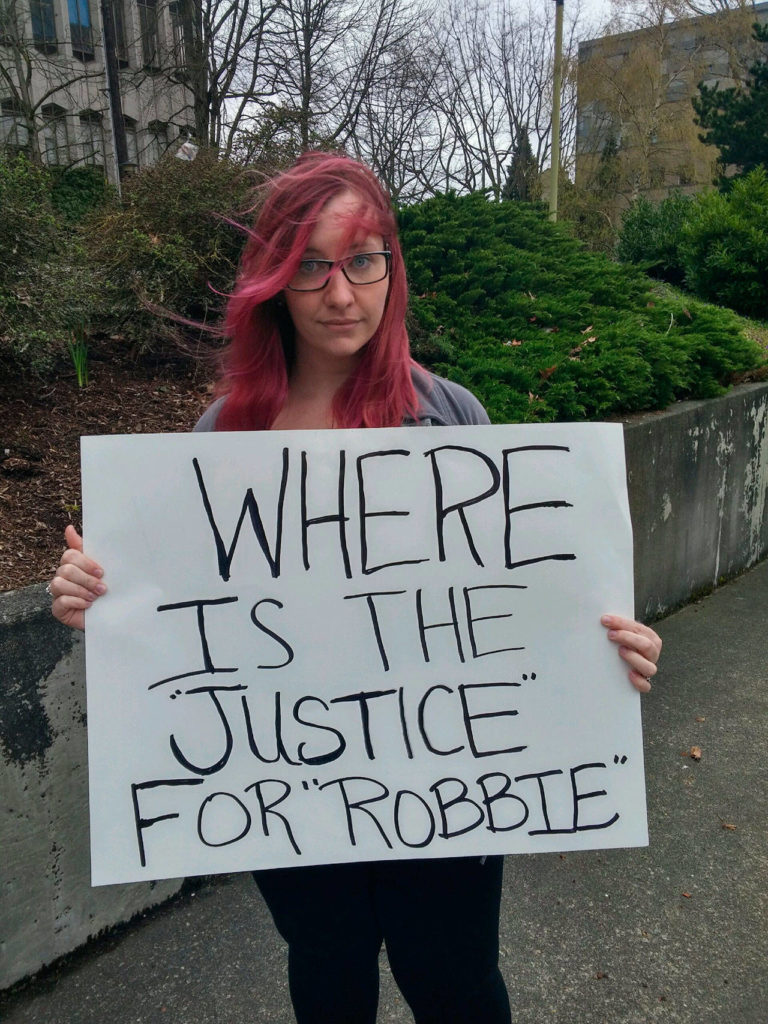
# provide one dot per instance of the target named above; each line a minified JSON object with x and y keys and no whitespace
{"x":168,"y":244}
{"x":724,"y":246}
{"x":77,"y":191}
{"x":508,"y":304}
{"x":45,"y":289}
{"x":650,"y":236}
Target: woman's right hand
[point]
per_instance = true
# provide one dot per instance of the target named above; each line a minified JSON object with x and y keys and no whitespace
{"x":77,"y":583}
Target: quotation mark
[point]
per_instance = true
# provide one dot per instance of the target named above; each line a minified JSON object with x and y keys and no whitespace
{"x":619,"y":760}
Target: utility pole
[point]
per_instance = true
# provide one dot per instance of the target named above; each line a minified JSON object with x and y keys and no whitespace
{"x":557,"y":87}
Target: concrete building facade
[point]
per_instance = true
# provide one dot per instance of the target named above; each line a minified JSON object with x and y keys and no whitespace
{"x":55,"y":90}
{"x":636,"y":133}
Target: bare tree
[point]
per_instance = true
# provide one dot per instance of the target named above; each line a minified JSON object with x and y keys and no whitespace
{"x":635,"y":92}
{"x":495,"y":84}
{"x":328,"y":56}
{"x":217,"y":54}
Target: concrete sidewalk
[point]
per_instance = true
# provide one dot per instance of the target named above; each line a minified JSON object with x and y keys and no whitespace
{"x":677,"y":932}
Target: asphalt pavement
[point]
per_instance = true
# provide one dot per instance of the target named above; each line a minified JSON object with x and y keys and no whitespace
{"x":676,"y":932}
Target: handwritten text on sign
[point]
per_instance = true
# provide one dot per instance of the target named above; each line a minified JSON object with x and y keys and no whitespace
{"x":349,"y":645}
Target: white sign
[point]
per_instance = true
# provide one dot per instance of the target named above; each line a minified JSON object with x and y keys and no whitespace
{"x":328,"y":646}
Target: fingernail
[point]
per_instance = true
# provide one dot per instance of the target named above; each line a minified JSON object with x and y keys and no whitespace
{"x":612,"y":634}
{"x":100,"y":588}
{"x":98,"y":572}
{"x":606,"y":620}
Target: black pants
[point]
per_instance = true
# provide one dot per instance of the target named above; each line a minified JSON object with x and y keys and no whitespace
{"x":438,"y":918}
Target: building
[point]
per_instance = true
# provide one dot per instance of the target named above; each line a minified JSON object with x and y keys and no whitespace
{"x":57,"y":100}
{"x":636,"y":132}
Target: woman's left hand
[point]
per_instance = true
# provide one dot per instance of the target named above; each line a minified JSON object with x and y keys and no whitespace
{"x":639,"y":646}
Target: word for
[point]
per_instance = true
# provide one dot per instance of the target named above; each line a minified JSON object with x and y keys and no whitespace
{"x":448,"y":809}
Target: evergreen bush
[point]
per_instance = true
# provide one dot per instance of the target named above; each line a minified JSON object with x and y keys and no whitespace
{"x":650,"y":236}
{"x":510,"y":305}
{"x":76,"y":191}
{"x":724,"y":246}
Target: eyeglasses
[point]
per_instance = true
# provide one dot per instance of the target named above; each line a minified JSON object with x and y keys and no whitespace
{"x":362,"y":268}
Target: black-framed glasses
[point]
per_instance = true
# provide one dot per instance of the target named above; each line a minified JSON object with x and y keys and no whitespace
{"x":362,"y":268}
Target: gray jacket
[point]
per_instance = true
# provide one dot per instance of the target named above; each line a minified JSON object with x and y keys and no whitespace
{"x":441,"y":404}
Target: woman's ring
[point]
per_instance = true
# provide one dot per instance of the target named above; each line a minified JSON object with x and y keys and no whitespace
{"x":48,"y":590}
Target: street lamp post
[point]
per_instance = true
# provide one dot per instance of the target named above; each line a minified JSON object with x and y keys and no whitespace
{"x":557,"y":86}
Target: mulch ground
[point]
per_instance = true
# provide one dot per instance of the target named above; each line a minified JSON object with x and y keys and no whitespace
{"x":40,"y":428}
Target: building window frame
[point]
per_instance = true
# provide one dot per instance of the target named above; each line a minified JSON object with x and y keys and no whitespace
{"x":92,"y":138}
{"x":55,"y":136}
{"x":14,"y":130}
{"x":81,"y":30}
{"x":118,"y":9}
{"x":131,"y":142}
{"x":43,"y":16}
{"x":157,"y":144}
{"x":178,"y":51}
{"x":149,"y":34}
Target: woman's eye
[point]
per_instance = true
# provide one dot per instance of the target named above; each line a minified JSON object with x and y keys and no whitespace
{"x":361,"y":261}
{"x":309,"y":267}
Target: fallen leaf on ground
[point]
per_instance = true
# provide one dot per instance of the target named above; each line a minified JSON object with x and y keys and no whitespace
{"x":694,"y":753}
{"x":728,"y":826}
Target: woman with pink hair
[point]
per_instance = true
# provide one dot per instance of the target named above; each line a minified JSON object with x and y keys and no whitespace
{"x":318,"y":340}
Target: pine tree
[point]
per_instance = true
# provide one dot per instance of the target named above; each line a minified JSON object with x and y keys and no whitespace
{"x":736,"y":120}
{"x":523,"y":177}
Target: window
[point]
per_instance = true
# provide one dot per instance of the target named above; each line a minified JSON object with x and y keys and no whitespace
{"x":9,"y":33}
{"x":158,"y":141}
{"x":14,"y":133}
{"x":80,"y":29}
{"x":149,"y":38}
{"x":92,"y":137}
{"x":118,"y":20}
{"x":685,"y":175}
{"x":655,"y":176}
{"x":677,"y":89}
{"x":55,"y":144}
{"x":43,"y":25}
{"x":130,"y":141}
{"x":177,"y":28}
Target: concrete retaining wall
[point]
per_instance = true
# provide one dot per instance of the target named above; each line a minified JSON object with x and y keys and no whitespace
{"x":698,"y":483}
{"x":698,"y":487}
{"x":47,"y":906}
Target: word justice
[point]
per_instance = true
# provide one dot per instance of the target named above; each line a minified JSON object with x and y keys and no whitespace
{"x":313,"y":730}
{"x":556,"y":801}
{"x":370,"y":469}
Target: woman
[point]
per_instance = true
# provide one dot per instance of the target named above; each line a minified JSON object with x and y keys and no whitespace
{"x":318,"y":340}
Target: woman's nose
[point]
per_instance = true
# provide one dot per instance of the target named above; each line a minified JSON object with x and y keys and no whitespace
{"x":338,"y":291}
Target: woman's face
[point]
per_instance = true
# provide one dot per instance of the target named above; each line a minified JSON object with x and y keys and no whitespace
{"x":334,"y":325}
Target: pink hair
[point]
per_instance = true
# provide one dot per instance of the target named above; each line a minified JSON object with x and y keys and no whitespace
{"x":258,"y":360}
